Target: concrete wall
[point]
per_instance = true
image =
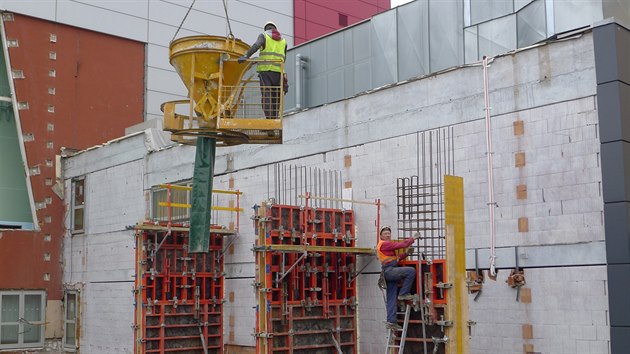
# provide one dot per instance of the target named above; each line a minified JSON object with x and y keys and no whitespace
{"x":549,"y":89}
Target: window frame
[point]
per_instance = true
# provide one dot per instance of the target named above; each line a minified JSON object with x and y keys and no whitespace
{"x":21,"y":321}
{"x":70,"y":347}
{"x":76,"y":207}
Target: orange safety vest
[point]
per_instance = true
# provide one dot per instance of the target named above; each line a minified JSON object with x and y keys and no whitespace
{"x":384,"y":259}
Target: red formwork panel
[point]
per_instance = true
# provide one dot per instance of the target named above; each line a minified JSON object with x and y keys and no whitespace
{"x":180,"y":294}
{"x":434,"y":299}
{"x":310,"y":297}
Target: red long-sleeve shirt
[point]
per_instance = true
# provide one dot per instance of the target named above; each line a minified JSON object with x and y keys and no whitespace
{"x":388,"y":248}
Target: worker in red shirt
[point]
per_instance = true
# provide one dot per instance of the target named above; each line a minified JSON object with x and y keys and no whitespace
{"x":386,"y":252}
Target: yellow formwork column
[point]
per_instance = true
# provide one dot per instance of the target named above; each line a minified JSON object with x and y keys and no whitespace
{"x":261,"y":283}
{"x":457,"y":308}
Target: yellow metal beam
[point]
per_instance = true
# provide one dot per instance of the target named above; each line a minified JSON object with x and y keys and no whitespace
{"x":341,"y":200}
{"x":308,"y":248}
{"x":457,"y":296}
{"x":188,"y":206}
{"x":153,"y":227}
{"x":245,"y":123}
{"x":186,"y":188}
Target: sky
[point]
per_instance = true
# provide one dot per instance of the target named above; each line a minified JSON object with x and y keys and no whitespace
{"x":399,"y":2}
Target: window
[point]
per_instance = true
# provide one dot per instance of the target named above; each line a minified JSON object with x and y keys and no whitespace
{"x":22,"y":319}
{"x":70,"y":321}
{"x":78,"y":206}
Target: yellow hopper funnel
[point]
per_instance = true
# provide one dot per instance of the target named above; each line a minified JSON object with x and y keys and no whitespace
{"x":221,"y":105}
{"x":198,"y":61}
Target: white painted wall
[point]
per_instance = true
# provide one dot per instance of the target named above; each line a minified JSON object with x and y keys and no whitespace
{"x":550,"y":88}
{"x":155,"y":22}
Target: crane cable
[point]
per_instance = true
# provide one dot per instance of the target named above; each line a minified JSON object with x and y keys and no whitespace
{"x":184,"y":19}
{"x":227,"y":18}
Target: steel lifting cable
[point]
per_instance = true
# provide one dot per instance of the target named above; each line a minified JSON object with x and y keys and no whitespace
{"x":184,"y":19}
{"x":227,"y":18}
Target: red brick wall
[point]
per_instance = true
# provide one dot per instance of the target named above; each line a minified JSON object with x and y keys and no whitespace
{"x":315,"y":18}
{"x":99,"y":91}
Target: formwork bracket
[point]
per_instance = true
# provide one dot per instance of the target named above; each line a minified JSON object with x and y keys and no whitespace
{"x":263,"y":335}
{"x":443,"y":286}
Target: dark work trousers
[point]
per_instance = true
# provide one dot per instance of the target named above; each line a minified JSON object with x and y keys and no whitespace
{"x":394,"y":274}
{"x":270,"y":85}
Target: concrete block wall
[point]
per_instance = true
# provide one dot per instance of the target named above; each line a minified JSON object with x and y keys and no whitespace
{"x":561,"y":174}
{"x":101,"y":261}
{"x":566,"y":312}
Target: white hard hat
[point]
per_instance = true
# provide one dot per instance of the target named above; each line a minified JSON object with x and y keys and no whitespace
{"x":383,"y":228}
{"x":270,"y":23}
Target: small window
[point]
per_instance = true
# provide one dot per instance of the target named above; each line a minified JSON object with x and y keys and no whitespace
{"x":70,"y":321}
{"x":22,"y":319}
{"x":343,"y":20}
{"x":78,"y":206}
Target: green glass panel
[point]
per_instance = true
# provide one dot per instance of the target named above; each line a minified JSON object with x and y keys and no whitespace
{"x":33,"y":308}
{"x":5,"y":89}
{"x":15,"y":208}
{"x":32,"y":334}
{"x":8,"y":334}
{"x":71,"y":304}
{"x":78,"y":219}
{"x":10,"y":310}
{"x":70,"y":337}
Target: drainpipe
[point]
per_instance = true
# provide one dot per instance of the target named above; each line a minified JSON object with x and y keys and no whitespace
{"x":491,"y":203}
{"x":299,"y":69}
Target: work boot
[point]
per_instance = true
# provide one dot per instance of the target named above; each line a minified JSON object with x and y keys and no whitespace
{"x":405,"y":297}
{"x":394,"y":326}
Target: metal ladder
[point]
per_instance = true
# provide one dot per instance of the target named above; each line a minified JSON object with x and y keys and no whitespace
{"x":391,"y":337}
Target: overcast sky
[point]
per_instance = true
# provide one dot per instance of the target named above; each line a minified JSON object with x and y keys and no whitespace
{"x":399,"y":2}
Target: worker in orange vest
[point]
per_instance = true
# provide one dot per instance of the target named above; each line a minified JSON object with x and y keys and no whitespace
{"x":386,"y":253}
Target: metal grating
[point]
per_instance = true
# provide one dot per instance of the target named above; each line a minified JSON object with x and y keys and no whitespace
{"x":420,"y":198}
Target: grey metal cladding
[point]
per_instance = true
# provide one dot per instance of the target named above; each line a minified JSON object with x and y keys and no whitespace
{"x":481,"y":11}
{"x":290,"y":70}
{"x":471,"y":45}
{"x":413,"y":35}
{"x":618,"y":295}
{"x":569,"y":15}
{"x":612,"y":56}
{"x":613,"y":104}
{"x":618,"y":9}
{"x":384,"y":49}
{"x":617,"y":216}
{"x":531,"y":26}
{"x":446,"y":38}
{"x":616,"y":171}
{"x":497,"y":36}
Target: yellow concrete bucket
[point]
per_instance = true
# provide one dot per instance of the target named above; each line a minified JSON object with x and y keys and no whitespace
{"x":198,"y":61}
{"x":217,"y":95}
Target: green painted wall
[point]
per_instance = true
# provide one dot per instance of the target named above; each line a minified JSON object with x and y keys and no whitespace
{"x":15,"y":207}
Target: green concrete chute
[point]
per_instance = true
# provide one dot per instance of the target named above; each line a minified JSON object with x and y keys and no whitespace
{"x":201,"y":197}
